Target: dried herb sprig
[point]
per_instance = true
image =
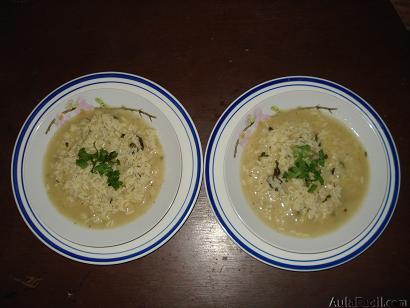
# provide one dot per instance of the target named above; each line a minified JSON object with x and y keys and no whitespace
{"x":318,"y":107}
{"x":54,"y":120}
{"x":237,"y":141}
{"x":140,"y":112}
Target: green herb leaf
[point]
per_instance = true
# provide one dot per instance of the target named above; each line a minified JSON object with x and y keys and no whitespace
{"x":275,"y":108}
{"x":103,"y":168}
{"x":83,"y":155}
{"x":100,"y":102}
{"x":81,"y":163}
{"x":102,"y":162}
{"x":312,"y":188}
{"x":307,"y":166}
{"x":113,"y":179}
{"x":103,"y":155}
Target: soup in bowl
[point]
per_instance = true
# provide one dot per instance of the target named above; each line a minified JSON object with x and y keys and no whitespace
{"x":106,"y":168}
{"x":302,"y":173}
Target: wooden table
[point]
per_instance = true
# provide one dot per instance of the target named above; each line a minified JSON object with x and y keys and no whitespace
{"x":205,"y":53}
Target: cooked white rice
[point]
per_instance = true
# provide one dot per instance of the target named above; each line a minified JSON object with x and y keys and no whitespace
{"x":292,"y":195}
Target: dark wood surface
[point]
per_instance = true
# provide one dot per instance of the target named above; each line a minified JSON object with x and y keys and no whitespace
{"x":206,"y":53}
{"x":403,"y":9}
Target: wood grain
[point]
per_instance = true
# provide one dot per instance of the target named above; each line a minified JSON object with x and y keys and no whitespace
{"x":206,"y":54}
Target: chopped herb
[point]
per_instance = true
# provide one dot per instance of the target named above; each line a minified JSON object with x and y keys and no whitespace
{"x":67,"y":144}
{"x":276,"y":171}
{"x":102,"y":168}
{"x":307,"y":166}
{"x":102,"y":162}
{"x":122,"y":135}
{"x":83,"y":158}
{"x":141,"y":142}
{"x":270,"y":128}
{"x":333,"y":170}
{"x":114,"y":179}
{"x":312,"y":188}
{"x":275,"y":108}
{"x":263,"y":154}
{"x":100,"y":102}
{"x":327,"y":198}
{"x":316,"y":139}
{"x":322,"y":157}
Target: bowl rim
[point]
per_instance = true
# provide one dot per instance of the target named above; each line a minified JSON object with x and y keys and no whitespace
{"x":216,"y":132}
{"x":186,"y":206}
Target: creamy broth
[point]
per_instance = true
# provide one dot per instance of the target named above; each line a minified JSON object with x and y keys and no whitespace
{"x":285,"y":204}
{"x":84,"y":197}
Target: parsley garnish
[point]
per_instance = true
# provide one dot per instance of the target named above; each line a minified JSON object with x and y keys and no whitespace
{"x":102,"y":162}
{"x":307,"y":167}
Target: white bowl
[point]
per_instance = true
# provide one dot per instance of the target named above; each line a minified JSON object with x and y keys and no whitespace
{"x":228,"y":202}
{"x":183,"y":169}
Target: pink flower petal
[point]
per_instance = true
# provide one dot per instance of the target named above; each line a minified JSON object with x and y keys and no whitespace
{"x":245,"y":135}
{"x":83,"y":105}
{"x":62,"y":118}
